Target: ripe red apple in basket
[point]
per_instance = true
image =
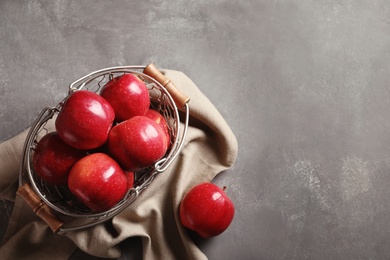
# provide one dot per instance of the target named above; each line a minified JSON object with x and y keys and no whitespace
{"x":128,"y":96}
{"x":53,"y":159}
{"x":207,"y":210}
{"x":85,"y":120}
{"x":98,"y":181}
{"x":137,"y":142}
{"x":130,"y":179}
{"x":160,"y":120}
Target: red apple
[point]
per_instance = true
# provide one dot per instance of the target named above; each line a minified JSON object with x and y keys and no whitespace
{"x":128,"y":96}
{"x":85,"y":120}
{"x":98,"y":181}
{"x":130,"y":180}
{"x":207,"y":210}
{"x":137,"y":142}
{"x":160,"y":120}
{"x":53,"y":159}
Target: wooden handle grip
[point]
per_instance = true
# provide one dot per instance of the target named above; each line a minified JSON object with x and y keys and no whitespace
{"x":179,"y":98}
{"x":40,"y":208}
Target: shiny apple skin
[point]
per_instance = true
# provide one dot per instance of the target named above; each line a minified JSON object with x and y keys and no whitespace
{"x":128,"y":96}
{"x":136,"y":143}
{"x":130,"y":179}
{"x":53,"y":159}
{"x":160,"y":120}
{"x":85,"y":120}
{"x":207,"y":210}
{"x":98,"y":182}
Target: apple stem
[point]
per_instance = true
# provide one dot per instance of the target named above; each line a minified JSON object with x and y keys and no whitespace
{"x":224,"y":188}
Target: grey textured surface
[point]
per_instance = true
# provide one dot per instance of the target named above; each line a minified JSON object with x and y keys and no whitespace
{"x":304,"y":85}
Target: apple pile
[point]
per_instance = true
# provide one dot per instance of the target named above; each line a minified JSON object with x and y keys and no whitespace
{"x":100,"y":140}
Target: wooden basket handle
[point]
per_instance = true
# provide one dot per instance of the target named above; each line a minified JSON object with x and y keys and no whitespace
{"x":40,"y":208}
{"x":179,"y":98}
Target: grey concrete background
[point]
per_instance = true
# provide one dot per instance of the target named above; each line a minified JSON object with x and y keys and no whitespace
{"x":303,"y":84}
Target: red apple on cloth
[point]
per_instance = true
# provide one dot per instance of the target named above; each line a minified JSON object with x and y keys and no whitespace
{"x":98,"y":181}
{"x":85,"y":120}
{"x":137,"y":142}
{"x":206,"y":209}
{"x":128,"y":96}
{"x":160,"y":120}
{"x":53,"y":159}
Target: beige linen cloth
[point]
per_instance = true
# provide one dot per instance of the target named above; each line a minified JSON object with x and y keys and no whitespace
{"x":210,"y":148}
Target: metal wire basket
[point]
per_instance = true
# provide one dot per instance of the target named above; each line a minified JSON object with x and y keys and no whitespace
{"x":55,"y":204}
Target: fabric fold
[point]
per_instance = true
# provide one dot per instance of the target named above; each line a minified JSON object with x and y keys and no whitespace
{"x":210,"y":148}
